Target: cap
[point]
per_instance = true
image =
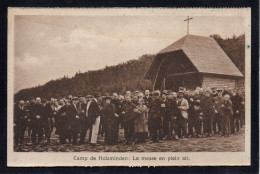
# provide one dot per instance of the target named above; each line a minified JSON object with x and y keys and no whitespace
{"x":75,"y":98}
{"x":197,"y":103}
{"x":180,"y":92}
{"x":96,"y":95}
{"x":156,"y":93}
{"x":181,"y":88}
{"x":107,"y":98}
{"x":164,"y":92}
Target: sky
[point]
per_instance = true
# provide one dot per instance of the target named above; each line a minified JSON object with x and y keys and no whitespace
{"x":49,"y":47}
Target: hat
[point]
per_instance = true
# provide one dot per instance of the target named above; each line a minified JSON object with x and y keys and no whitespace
{"x":75,"y":98}
{"x":96,"y":95}
{"x":197,"y":103}
{"x":156,"y":93}
{"x":181,"y":88}
{"x":165,"y":93}
{"x":180,"y":92}
{"x":107,"y":98}
{"x":219,"y":90}
{"x":88,"y":96}
{"x":136,"y":92}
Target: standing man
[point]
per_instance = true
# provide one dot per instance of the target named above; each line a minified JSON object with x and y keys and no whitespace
{"x":208,"y":112}
{"x":183,"y":107}
{"x":81,"y":107}
{"x":191,"y":117}
{"x":74,"y":120}
{"x":93,"y":114}
{"x":128,"y":119}
{"x":171,"y":110}
{"x":237,"y":108}
{"x":115,"y":101}
{"x":227,"y":111}
{"x":37,"y":117}
{"x":147,"y":98}
{"x":155,"y":118}
{"x":218,"y":101}
{"x":46,"y":119}
{"x":165,"y":118}
{"x":20,"y":118}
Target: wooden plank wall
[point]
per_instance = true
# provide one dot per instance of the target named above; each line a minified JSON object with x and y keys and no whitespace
{"x":218,"y":82}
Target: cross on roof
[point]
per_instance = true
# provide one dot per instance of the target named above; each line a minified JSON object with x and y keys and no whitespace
{"x":188,"y":19}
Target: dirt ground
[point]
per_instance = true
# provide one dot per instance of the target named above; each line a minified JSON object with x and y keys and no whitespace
{"x":216,"y":143}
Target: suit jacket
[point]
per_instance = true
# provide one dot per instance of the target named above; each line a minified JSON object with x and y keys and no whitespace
{"x":128,"y":108}
{"x":19,"y":115}
{"x":147,"y":101}
{"x":81,"y":109}
{"x":184,"y":107}
{"x":93,"y":111}
{"x":171,"y":108}
{"x":74,"y":122}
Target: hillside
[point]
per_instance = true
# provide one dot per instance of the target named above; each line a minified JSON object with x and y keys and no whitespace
{"x":122,"y":77}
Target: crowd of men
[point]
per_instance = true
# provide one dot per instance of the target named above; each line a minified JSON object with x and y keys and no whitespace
{"x":149,"y":116}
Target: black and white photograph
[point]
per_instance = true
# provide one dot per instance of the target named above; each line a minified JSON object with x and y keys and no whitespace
{"x":130,"y":81}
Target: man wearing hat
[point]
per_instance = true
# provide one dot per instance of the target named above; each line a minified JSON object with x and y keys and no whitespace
{"x":93,"y":114}
{"x":165,"y":117}
{"x":217,"y":117}
{"x":171,"y":109}
{"x":214,"y":92}
{"x":182,"y":114}
{"x":81,"y":108}
{"x":36,"y":117}
{"x":115,"y":101}
{"x":128,"y":119}
{"x":48,"y":114}
{"x":155,"y":118}
{"x":20,"y":117}
{"x":208,"y":112}
{"x":74,"y":120}
{"x":198,"y":117}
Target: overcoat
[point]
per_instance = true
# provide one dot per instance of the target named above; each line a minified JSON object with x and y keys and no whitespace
{"x":141,"y":121}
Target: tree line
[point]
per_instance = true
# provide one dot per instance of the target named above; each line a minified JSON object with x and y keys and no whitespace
{"x":122,"y":77}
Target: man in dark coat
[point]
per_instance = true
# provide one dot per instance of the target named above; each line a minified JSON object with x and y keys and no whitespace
{"x":128,"y":119}
{"x":81,"y":107}
{"x":108,"y":116}
{"x":155,"y":118}
{"x":165,"y":117}
{"x":74,"y":120}
{"x":46,"y":119}
{"x":237,"y":110}
{"x":20,"y":118}
{"x":147,"y":98}
{"x":208,"y":111}
{"x":217,"y":117}
{"x":191,"y":116}
{"x":93,"y":114}
{"x":171,"y":109}
{"x":36,"y":118}
{"x":62,"y":122}
{"x":115,"y":101}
